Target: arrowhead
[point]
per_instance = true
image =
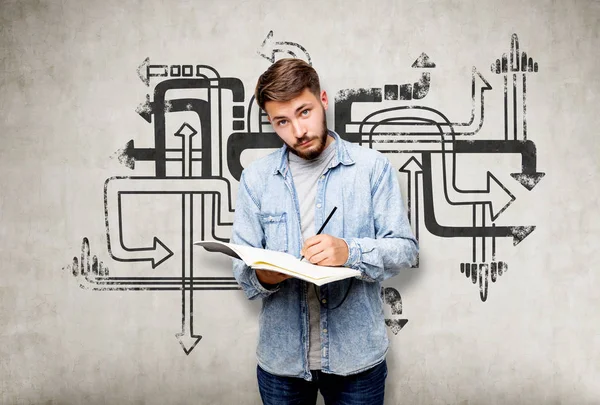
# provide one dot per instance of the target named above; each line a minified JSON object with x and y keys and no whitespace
{"x":411,"y":165}
{"x":187,"y":342}
{"x":498,"y":196}
{"x":396,"y":324}
{"x":142,"y":72}
{"x":528,"y":180}
{"x":125,"y":157}
{"x":423,"y":61}
{"x":161,"y":253}
{"x":485,"y":85}
{"x":186,"y":130}
{"x":266,"y":49}
{"x":145,"y":109}
{"x":520,"y":232}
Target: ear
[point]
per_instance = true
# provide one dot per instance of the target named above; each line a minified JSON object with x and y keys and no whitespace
{"x":324,"y":99}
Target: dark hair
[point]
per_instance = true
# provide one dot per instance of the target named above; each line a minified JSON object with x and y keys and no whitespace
{"x":285,"y":80}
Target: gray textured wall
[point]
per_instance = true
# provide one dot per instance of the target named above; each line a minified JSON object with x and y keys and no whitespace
{"x":70,"y":89}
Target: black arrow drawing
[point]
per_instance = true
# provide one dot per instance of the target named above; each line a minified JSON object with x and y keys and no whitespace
{"x":161,"y":106}
{"x":519,"y":64}
{"x":117,"y":187}
{"x":423,"y":62}
{"x":413,"y":170}
{"x":270,"y":47}
{"x":145,"y":71}
{"x":187,"y":339}
{"x":495,"y":194}
{"x":412,"y":91}
{"x":528,"y":177}
{"x":186,"y":132}
{"x":155,"y":254}
{"x":146,"y":109}
{"x":518,"y":233}
{"x":392,"y":297}
{"x":354,"y":131}
{"x":128,"y":155}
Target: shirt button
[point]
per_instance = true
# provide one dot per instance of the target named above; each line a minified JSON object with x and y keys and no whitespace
{"x":318,"y":205}
{"x":324,"y":301}
{"x":322,"y":177}
{"x":324,"y":330}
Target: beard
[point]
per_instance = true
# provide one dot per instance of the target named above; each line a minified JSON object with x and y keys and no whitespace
{"x":319,"y":143}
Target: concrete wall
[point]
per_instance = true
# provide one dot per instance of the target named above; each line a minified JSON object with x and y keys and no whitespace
{"x":501,"y":177}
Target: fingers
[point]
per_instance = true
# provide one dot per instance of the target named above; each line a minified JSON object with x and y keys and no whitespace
{"x":315,"y":244}
{"x":323,"y":258}
{"x":314,"y":240}
{"x":325,"y":250}
{"x":319,"y":252}
{"x":270,"y":277}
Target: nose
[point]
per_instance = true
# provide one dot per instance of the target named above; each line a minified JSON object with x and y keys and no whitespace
{"x":299,"y":130}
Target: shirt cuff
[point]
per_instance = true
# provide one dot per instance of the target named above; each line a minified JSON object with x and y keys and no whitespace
{"x":264,"y":292}
{"x":354,"y":253}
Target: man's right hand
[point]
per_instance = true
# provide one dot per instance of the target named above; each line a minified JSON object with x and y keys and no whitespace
{"x":270,"y":277}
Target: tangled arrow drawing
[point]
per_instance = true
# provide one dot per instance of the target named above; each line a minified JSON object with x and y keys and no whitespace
{"x":196,"y":157}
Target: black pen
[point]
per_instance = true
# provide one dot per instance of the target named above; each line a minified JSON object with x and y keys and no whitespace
{"x":324,"y":224}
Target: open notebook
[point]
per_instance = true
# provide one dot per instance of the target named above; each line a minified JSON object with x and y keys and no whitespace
{"x":281,"y":262}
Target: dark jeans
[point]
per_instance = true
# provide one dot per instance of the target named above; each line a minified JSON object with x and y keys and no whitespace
{"x":365,"y":388}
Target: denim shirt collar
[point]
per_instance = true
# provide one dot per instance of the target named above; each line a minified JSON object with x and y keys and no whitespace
{"x":341,"y":156}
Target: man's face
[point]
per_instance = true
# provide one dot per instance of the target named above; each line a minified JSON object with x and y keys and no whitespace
{"x":301,"y":123}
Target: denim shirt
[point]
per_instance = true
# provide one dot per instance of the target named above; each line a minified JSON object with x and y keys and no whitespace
{"x":370,"y":218}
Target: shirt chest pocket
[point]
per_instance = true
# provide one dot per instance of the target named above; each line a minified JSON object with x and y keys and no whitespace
{"x":275,"y":229}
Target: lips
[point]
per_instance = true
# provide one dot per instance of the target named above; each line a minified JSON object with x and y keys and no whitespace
{"x":305,"y":143}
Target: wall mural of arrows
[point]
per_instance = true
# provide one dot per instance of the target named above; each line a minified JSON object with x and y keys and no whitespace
{"x":195,"y":160}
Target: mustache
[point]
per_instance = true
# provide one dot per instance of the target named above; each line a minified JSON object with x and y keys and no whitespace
{"x":304,"y":139}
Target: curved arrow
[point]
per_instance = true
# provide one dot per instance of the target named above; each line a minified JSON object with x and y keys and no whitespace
{"x":518,"y":233}
{"x":392,"y":297}
{"x":355,"y":129}
{"x":529,"y":177}
{"x":116,"y":187}
{"x":269,"y":48}
{"x":493,"y":187}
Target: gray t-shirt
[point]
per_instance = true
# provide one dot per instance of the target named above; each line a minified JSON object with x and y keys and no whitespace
{"x":305,"y":174}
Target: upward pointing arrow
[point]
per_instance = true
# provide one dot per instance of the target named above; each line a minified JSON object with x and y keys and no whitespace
{"x":423,"y":61}
{"x":413,"y":169}
{"x":186,"y":132}
{"x":187,"y":339}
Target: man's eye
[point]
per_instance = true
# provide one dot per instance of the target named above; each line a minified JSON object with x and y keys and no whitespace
{"x":281,"y":123}
{"x":305,"y":112}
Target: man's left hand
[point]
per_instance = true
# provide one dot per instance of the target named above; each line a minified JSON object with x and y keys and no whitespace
{"x":325,"y":250}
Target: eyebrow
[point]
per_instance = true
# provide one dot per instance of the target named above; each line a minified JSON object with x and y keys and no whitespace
{"x":302,"y":107}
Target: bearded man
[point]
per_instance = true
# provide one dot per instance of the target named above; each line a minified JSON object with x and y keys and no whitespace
{"x":330,"y":339}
